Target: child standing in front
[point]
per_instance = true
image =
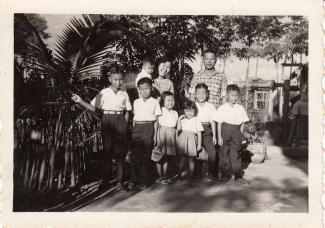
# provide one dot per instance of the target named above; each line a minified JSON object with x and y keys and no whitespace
{"x":190,"y":138}
{"x":115,"y":105}
{"x":206,"y":113}
{"x":166,"y":136}
{"x":146,"y":111}
{"x":231,"y":118}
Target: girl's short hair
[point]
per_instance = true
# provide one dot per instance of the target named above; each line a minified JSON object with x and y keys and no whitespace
{"x":190,"y":105}
{"x":163,"y":97}
{"x":202,"y":86}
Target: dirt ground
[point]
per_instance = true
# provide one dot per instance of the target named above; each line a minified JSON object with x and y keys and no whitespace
{"x":280,"y":184}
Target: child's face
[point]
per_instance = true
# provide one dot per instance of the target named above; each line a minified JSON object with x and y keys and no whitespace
{"x":148,"y":67}
{"x":162,"y":70}
{"x":116,"y":80}
{"x":201,"y":95}
{"x":232,"y":96}
{"x":145,"y":90}
{"x":168,"y":66}
{"x":209,"y":60}
{"x":189,"y":113}
{"x":169,"y":102}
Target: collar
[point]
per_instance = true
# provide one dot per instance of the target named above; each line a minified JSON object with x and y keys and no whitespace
{"x":110,"y":88}
{"x":199,"y":104}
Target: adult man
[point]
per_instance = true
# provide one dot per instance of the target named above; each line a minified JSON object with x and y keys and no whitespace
{"x":216,"y":81}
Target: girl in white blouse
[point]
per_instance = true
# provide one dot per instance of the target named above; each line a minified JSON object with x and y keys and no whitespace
{"x":190,"y":139}
{"x":166,"y":134}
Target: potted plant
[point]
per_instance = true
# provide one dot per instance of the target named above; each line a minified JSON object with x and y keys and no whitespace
{"x":254,"y":135}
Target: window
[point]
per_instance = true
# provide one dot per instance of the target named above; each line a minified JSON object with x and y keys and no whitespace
{"x":261,"y":99}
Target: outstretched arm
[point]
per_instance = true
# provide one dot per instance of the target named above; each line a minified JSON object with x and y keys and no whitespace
{"x":88,"y":106}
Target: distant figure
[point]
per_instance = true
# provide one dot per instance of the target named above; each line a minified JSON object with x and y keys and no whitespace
{"x":146,"y":71}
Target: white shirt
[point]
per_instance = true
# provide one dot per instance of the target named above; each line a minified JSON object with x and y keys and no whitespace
{"x":193,"y":124}
{"x":206,"y":112}
{"x":141,"y":75}
{"x":232,"y":115}
{"x":107,"y":99}
{"x":146,"y":110}
{"x":168,"y":118}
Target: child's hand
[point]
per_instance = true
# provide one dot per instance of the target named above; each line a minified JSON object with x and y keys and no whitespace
{"x":199,"y":147}
{"x":76,"y":98}
{"x":181,"y":117}
{"x":214,"y":140}
{"x":220,"y":141}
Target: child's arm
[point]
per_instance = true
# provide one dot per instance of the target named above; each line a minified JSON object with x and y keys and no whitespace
{"x":156,"y":125}
{"x":213,"y":128}
{"x":199,"y":140}
{"x":242,"y":127}
{"x":220,"y":141}
{"x":88,"y":106}
{"x":127,"y":116}
{"x":179,"y":124}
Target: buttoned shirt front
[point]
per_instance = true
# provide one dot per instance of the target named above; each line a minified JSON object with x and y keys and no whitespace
{"x":141,"y":75}
{"x":216,"y":82}
{"x":235,"y":114}
{"x":206,"y":112}
{"x":163,"y":84}
{"x":193,"y":124}
{"x":168,"y":118}
{"x":107,"y":99}
{"x":146,"y":110}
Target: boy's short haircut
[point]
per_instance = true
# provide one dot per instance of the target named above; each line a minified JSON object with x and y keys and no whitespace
{"x":209,"y":51}
{"x":163,"y":97}
{"x":144,"y":81}
{"x":190,"y":105}
{"x":202,"y":86}
{"x":232,"y":87}
{"x":148,"y":59}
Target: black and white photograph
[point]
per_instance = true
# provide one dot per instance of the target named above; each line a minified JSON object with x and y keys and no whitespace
{"x":160,"y":113}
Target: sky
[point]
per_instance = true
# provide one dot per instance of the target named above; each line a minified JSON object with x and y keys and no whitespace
{"x":235,"y":69}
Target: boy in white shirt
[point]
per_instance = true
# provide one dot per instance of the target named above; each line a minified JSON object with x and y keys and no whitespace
{"x":115,"y":105}
{"x":146,"y":111}
{"x":231,"y":118}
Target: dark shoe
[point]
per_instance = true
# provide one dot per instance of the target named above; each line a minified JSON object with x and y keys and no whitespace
{"x":132,"y":186}
{"x":120,"y":187}
{"x":242,"y":181}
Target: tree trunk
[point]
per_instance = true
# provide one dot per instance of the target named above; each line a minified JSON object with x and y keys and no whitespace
{"x":257,"y":58}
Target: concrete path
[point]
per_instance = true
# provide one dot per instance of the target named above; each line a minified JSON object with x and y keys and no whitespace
{"x":280,"y":184}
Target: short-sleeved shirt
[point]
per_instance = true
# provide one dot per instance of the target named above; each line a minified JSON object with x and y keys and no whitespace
{"x":107,"y":99}
{"x":163,"y":84}
{"x":216,"y":82}
{"x":300,"y":108}
{"x":231,"y":114}
{"x":168,"y":118}
{"x":206,"y":112}
{"x":141,"y":75}
{"x":193,"y":124}
{"x":146,"y":110}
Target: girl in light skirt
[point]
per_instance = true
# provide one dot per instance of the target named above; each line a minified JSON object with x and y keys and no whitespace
{"x":166,"y":135}
{"x":190,"y":139}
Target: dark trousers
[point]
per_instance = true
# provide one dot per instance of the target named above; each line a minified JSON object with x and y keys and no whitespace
{"x":114,"y":134}
{"x":230,"y":159}
{"x":213,"y":160}
{"x":142,"y":143}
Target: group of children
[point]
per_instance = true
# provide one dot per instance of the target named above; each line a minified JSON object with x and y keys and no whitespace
{"x":199,"y":127}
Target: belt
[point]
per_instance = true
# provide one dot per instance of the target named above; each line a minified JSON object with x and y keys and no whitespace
{"x":205,"y":123}
{"x":112,"y":112}
{"x":144,"y":122}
